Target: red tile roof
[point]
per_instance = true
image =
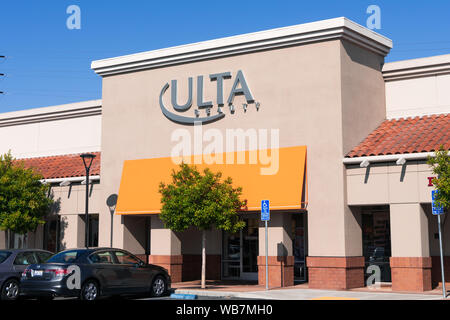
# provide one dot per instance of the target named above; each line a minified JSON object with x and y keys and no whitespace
{"x":64,"y":166}
{"x":410,"y":135}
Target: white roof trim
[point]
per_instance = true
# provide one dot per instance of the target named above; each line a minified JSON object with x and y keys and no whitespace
{"x":52,"y":153}
{"x":338,"y":28}
{"x":59,"y":112}
{"x":390,"y":157}
{"x":70,"y":179}
{"x":414,"y":68}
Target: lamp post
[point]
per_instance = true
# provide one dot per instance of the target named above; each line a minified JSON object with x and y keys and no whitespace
{"x":88,"y":158}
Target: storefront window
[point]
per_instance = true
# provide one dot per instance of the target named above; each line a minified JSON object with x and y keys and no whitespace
{"x":250,"y":246}
{"x":377,"y":240}
{"x":231,"y":255}
{"x":17,"y":241}
{"x":93,"y":230}
{"x":51,"y":235}
{"x":299,"y":246}
{"x":240,"y":252}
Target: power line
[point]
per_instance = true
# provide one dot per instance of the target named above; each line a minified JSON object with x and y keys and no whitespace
{"x":2,"y":74}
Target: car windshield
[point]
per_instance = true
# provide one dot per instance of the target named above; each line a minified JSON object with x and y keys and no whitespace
{"x":4,"y":255}
{"x":66,"y":256}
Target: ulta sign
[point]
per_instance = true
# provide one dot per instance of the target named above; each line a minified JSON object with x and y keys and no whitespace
{"x":239,"y":87}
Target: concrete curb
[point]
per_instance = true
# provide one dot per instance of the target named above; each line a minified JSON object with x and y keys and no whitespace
{"x":183,"y":296}
{"x":305,"y":295}
{"x":220,"y":294}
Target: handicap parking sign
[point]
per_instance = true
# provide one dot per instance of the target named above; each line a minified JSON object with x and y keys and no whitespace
{"x":265,"y":210}
{"x":436,"y":209}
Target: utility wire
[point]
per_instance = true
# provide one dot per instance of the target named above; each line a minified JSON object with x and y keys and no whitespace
{"x":2,"y":74}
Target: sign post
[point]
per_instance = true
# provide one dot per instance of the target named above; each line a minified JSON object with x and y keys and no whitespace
{"x":438,"y":211}
{"x":265,"y":216}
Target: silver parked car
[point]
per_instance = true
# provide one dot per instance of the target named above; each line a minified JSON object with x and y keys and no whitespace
{"x":12,"y":263}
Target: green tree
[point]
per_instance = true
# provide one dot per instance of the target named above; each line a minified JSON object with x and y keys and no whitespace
{"x":200,"y":200}
{"x":23,"y":198}
{"x":441,"y":167}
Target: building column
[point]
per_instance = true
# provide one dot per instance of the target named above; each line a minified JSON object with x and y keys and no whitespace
{"x":165,"y":249}
{"x":280,"y":257}
{"x":72,"y":231}
{"x":335,"y":272}
{"x":335,"y":260}
{"x":410,"y":261}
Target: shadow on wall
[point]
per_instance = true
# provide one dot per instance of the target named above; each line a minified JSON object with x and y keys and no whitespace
{"x":402,"y":173}
{"x":360,"y":56}
{"x":61,"y":226}
{"x":282,"y":253}
{"x":55,"y":208}
{"x":367,"y":175}
{"x":111,"y":202}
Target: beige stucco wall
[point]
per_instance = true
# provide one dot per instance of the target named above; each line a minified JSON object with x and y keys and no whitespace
{"x":72,"y":199}
{"x":409,"y":230}
{"x":191,"y":241}
{"x":363,"y":109}
{"x":52,"y":130}
{"x":389,"y":183}
{"x":418,"y":96}
{"x":70,"y":205}
{"x":279,"y":235}
{"x":72,"y":231}
{"x":165,"y":242}
{"x":162,"y":241}
{"x":135,"y":237}
{"x":309,"y":92}
{"x":405,"y":188}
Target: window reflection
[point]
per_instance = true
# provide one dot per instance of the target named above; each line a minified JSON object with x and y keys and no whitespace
{"x":377,"y":240}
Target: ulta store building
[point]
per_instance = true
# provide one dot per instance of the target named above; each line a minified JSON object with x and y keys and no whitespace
{"x":308,"y":117}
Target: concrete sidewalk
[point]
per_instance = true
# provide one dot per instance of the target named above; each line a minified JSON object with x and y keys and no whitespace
{"x":310,"y":294}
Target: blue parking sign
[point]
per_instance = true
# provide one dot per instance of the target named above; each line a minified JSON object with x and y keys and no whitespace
{"x":265,"y":210}
{"x":436,"y":209}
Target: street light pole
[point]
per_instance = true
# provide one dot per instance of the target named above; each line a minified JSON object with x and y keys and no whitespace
{"x":88,"y":158}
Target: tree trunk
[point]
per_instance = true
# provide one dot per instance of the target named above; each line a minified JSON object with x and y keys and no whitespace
{"x":203,"y":259}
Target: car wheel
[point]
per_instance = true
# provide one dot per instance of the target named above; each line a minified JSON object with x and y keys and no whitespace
{"x":10,"y":290}
{"x":159,"y":286}
{"x":89,"y":291}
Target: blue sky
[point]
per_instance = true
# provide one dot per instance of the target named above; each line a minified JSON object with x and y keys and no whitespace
{"x":48,"y":64}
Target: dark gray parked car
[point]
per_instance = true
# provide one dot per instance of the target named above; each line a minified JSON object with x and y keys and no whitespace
{"x":90,"y":273}
{"x":12,"y":263}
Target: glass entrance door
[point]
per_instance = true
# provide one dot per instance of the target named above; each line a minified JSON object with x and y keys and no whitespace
{"x":299,"y":246}
{"x":240,"y":252}
{"x":231,"y":255}
{"x":377,"y":240}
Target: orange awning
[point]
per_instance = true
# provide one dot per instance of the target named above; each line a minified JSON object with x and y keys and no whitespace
{"x":138,"y":193}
